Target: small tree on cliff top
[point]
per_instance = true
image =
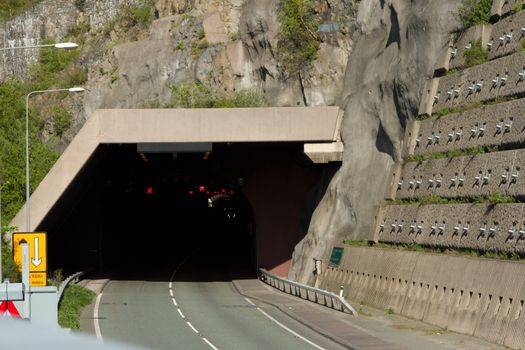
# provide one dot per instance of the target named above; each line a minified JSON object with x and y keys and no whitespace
{"x":473,"y":12}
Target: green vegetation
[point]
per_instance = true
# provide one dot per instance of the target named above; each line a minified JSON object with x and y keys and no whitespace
{"x":9,"y":268}
{"x":518,"y":6}
{"x":139,"y":14}
{"x":180,"y":46}
{"x":414,"y":247}
{"x":473,"y":12}
{"x":495,"y":198}
{"x":297,"y":39}
{"x":133,"y":20}
{"x":61,"y":119}
{"x":75,"y":298}
{"x":11,"y":8}
{"x":389,"y":311}
{"x":201,"y":33}
{"x":56,"y":69}
{"x":114,"y":73}
{"x":52,"y":62}
{"x":431,"y":200}
{"x":476,"y":54}
{"x":198,"y":46}
{"x":453,"y":153}
{"x":196,"y":95}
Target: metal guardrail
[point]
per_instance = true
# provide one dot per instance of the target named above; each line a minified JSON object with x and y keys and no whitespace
{"x":316,"y":295}
{"x":73,"y":278}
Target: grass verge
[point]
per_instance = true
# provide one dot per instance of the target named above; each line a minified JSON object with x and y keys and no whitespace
{"x":74,"y":300}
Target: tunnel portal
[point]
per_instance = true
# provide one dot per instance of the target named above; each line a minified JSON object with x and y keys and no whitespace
{"x":250,"y":202}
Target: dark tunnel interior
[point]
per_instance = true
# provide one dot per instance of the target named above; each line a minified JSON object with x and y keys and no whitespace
{"x":246,"y":205}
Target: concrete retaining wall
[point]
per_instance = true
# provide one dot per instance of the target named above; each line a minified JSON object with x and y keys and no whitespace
{"x":483,"y":227}
{"x":480,"y":297}
{"x":462,"y":42}
{"x":506,"y":37}
{"x":497,"y":78}
{"x":500,"y":124}
{"x":467,"y":176}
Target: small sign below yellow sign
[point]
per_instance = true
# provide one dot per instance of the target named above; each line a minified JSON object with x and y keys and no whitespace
{"x":37,"y":255}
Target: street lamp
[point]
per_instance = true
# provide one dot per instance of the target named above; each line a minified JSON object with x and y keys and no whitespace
{"x":73,"y":89}
{"x":67,"y":46}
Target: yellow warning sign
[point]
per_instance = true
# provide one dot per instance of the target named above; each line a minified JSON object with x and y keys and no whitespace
{"x":37,"y":255}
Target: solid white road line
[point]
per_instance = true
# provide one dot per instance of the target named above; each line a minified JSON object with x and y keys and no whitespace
{"x":95,"y":318}
{"x":210,"y":344}
{"x":289,"y":330}
{"x":249,"y":302}
{"x":180,"y":312}
{"x":191,"y":326}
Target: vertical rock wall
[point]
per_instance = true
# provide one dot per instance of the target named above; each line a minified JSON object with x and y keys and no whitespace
{"x":398,"y":45}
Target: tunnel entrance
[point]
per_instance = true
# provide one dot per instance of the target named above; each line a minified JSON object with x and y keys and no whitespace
{"x":244,"y":202}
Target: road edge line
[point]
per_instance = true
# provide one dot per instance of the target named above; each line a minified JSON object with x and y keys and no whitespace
{"x":96,"y":324}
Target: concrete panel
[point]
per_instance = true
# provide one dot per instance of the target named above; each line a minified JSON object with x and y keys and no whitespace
{"x":510,"y":116}
{"x":480,"y":297}
{"x":497,"y":78}
{"x":506,"y":36}
{"x":483,"y":174}
{"x":464,"y":40}
{"x":319,"y":124}
{"x":429,"y":96}
{"x":482,"y":227}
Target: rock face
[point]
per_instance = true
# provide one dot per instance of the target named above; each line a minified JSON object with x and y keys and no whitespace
{"x":226,"y":46}
{"x":398,"y":45}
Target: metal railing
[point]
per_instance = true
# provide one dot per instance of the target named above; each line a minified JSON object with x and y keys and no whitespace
{"x":71,"y":279}
{"x":316,"y":295}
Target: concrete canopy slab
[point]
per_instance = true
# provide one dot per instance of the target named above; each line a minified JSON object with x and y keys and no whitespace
{"x":112,"y":126}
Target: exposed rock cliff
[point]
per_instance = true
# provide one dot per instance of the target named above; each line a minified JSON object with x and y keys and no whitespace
{"x":396,"y":49}
{"x":224,"y":45}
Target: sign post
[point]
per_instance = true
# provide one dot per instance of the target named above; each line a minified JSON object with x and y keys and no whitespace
{"x":37,"y":246}
{"x":25,"y":280}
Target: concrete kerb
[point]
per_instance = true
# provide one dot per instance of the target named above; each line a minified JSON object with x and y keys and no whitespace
{"x":295,"y":317}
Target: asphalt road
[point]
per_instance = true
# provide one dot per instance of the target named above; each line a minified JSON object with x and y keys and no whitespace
{"x":195,"y":307}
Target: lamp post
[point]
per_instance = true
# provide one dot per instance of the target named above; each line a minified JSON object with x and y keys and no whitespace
{"x":67,"y":46}
{"x":73,"y":89}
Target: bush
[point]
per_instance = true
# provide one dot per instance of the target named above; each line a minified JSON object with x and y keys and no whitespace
{"x":196,"y":95}
{"x":475,"y":55}
{"x":473,"y":12}
{"x":297,"y":43}
{"x":140,"y":14}
{"x":61,"y":120}
{"x":11,"y":8}
{"x":9,"y":268}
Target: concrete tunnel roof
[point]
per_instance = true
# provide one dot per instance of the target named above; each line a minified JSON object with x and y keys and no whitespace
{"x":114,"y":126}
